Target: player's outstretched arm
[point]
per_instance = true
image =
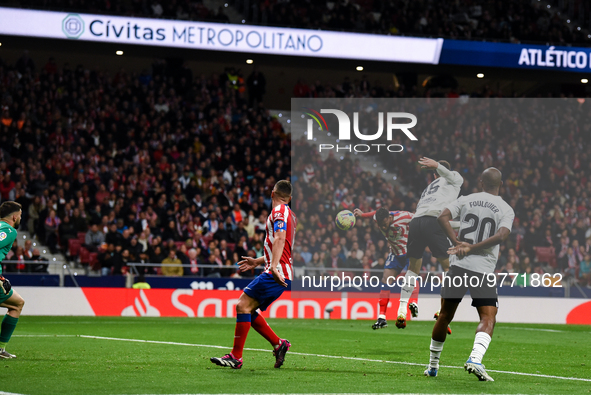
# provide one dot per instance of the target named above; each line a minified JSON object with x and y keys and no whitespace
{"x":248,"y":263}
{"x":464,"y":249}
{"x":444,"y":222}
{"x":359,"y":213}
{"x":278,"y":245}
{"x":451,"y":177}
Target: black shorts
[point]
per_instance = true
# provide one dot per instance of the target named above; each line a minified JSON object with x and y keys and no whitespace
{"x":426,"y":232}
{"x":482,"y":289}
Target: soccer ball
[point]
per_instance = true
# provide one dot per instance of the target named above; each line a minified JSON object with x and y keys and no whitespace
{"x":345,"y":220}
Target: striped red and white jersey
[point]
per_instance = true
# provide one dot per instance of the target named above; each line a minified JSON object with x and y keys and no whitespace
{"x":397,"y":233}
{"x":281,"y":219}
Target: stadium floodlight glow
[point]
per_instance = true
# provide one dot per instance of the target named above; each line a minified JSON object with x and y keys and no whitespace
{"x":0,"y":44}
{"x":480,"y":75}
{"x":119,"y":53}
{"x":359,"y":68}
{"x":584,"y":80}
{"x":249,"y":61}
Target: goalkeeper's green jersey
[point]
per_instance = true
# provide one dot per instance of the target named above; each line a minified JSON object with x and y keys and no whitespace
{"x":7,"y":237}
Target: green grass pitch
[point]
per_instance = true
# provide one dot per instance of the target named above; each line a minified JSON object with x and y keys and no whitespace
{"x":73,"y":364}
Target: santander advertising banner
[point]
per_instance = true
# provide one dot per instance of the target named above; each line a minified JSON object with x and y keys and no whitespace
{"x":218,"y":303}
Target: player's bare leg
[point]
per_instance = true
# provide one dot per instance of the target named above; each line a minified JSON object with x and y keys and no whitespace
{"x":482,"y":340}
{"x":384,"y":298}
{"x":446,"y":315}
{"x":444,"y":262}
{"x":246,"y":305}
{"x":15,"y":305}
{"x":410,"y":280}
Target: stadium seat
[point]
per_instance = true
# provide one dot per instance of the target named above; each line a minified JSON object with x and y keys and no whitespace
{"x":82,"y":237}
{"x":74,"y":247}
{"x":179,"y":244}
{"x":232,"y":246}
{"x":93,"y":261}
{"x":84,"y":256}
{"x":546,"y":255}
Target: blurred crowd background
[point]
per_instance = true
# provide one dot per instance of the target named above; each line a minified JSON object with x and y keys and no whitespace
{"x":171,"y":166}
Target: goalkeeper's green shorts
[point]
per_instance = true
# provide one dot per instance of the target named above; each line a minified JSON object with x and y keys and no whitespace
{"x":4,"y":298}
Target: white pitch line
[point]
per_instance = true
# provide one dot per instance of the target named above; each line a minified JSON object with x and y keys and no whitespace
{"x":12,"y":393}
{"x":539,"y":329}
{"x":43,"y":336}
{"x":331,"y":356}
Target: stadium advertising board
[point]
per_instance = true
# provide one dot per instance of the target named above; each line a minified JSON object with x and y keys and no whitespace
{"x":288,"y":42}
{"x":215,"y":303}
{"x":218,"y":37}
{"x":472,"y":53}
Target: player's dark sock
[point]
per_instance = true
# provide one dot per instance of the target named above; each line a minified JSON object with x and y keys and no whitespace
{"x":260,"y":325}
{"x":242,"y":328}
{"x":383,"y":302}
{"x":8,"y":326}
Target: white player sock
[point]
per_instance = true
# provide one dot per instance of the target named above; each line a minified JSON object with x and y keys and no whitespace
{"x":410,"y":280}
{"x":481,"y":343}
{"x":436,"y":348}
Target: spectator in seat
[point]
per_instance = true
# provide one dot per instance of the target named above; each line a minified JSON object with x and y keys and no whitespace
{"x":211,"y":225}
{"x":225,"y":251}
{"x":239,"y":232}
{"x":222,"y":233}
{"x":94,"y":238}
{"x":134,"y":249}
{"x":573,"y":258}
{"x":120,"y":260}
{"x":316,"y":265}
{"x":35,"y":209}
{"x":80,"y":223}
{"x":194,"y":262}
{"x":113,"y":236}
{"x":41,"y":264}
{"x":171,"y":265}
{"x":52,"y":223}
{"x":212,"y":272}
{"x":66,"y":232}
{"x":258,"y":249}
{"x":585,"y":271}
{"x":171,"y":232}
{"x":105,"y":258}
{"x":28,"y":249}
{"x":333,"y":261}
{"x":229,"y":269}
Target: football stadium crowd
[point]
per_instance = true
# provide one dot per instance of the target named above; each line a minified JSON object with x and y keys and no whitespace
{"x":514,"y":20}
{"x":167,"y":168}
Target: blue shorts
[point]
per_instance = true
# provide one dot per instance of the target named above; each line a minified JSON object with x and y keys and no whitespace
{"x":396,"y":262}
{"x":265,"y":290}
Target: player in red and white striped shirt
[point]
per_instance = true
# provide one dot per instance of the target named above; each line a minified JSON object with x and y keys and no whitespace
{"x":269,"y":286}
{"x":394,"y":227}
{"x":280,"y":223}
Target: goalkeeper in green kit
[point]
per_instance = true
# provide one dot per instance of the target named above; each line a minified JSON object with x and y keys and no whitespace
{"x":10,"y":219}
